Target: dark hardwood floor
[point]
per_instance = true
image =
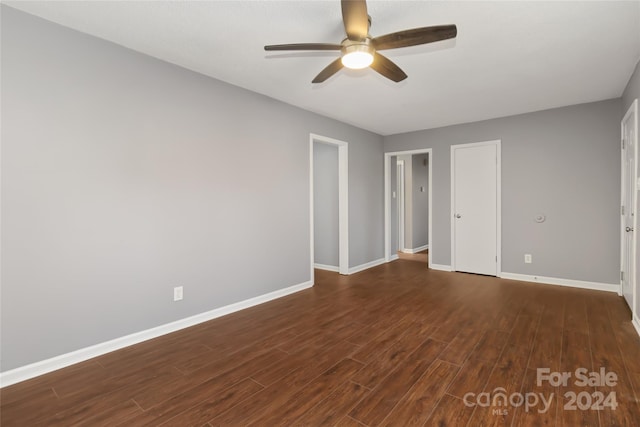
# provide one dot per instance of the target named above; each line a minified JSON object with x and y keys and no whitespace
{"x":396,"y":345}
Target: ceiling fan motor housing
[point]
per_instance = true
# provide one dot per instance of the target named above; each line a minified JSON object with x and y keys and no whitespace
{"x":349,"y":46}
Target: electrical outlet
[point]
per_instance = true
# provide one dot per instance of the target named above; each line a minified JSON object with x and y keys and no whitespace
{"x":177,"y":293}
{"x":527,"y":259}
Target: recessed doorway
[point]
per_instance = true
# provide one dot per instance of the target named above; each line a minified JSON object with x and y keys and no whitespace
{"x":408,"y":205}
{"x":342,"y":169}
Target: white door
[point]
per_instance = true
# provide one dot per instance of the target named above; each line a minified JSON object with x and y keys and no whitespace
{"x":629,"y":156}
{"x":475,"y":207}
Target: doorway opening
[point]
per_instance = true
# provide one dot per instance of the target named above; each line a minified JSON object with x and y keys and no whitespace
{"x":408,"y":205}
{"x":330,"y":201}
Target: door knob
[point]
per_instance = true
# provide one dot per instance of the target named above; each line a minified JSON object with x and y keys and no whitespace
{"x":629,"y":229}
{"x":460,"y":216}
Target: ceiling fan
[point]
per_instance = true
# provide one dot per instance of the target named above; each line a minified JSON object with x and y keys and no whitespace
{"x":360,"y":50}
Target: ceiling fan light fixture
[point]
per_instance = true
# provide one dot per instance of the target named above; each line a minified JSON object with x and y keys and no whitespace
{"x":360,"y":50}
{"x":357,"y":56}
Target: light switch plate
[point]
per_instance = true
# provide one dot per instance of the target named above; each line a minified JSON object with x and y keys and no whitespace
{"x":177,"y":293}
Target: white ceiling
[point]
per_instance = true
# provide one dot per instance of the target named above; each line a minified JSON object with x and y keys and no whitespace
{"x":509,"y":57}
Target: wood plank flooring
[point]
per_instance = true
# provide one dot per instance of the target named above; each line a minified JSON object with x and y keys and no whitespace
{"x":396,"y":345}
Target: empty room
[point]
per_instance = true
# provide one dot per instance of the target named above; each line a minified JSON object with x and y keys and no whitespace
{"x":319,"y":213}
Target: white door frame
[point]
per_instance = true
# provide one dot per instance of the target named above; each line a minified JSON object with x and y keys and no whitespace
{"x":343,"y":201}
{"x":633,"y":110}
{"x":387,"y":199}
{"x":497,"y":143}
{"x":401,"y":197}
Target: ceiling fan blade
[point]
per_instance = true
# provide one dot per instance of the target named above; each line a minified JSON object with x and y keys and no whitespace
{"x":304,"y":46}
{"x":415,"y":37}
{"x":329,"y":71}
{"x":355,"y":18}
{"x":387,"y":68}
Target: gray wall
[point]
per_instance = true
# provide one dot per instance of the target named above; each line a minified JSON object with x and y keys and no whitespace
{"x":420,"y":201}
{"x":119,"y":182}
{"x":564,"y":163}
{"x":632,"y":91}
{"x":325,"y":204}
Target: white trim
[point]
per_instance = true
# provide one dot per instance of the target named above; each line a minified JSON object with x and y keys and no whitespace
{"x":387,"y":208}
{"x":416,"y":250}
{"x":636,"y":324}
{"x":499,"y":209}
{"x":343,"y":207}
{"x":387,"y":199}
{"x":42,"y":367}
{"x":400,"y":177}
{"x":440,"y":267}
{"x":622,"y":197}
{"x":608,"y":287}
{"x":365,"y":266}
{"x":311,"y":223}
{"x":326,"y":267}
{"x":430,"y":210}
{"x":343,"y":200}
{"x":394,"y":257}
{"x":498,"y":144}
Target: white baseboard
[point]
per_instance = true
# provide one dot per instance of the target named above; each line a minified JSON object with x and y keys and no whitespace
{"x":440,"y":267}
{"x":393,"y":257}
{"x":366,"y":266}
{"x":32,"y":370}
{"x":327,"y":267}
{"x":609,"y":287}
{"x":416,"y":250}
{"x":636,"y":323}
